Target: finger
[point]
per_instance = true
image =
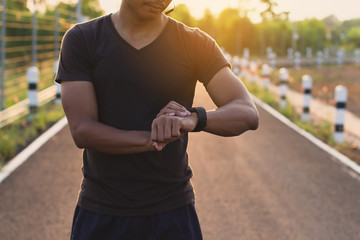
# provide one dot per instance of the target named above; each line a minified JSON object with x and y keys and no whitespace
{"x":175,"y":106}
{"x":160,"y":133}
{"x":167,"y":130}
{"x":183,"y":114}
{"x":175,"y":131}
{"x":175,"y":113}
{"x":154,"y":136}
{"x":161,"y":146}
{"x":158,"y":146}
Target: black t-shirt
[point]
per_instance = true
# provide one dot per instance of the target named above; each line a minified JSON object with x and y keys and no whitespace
{"x":131,"y":87}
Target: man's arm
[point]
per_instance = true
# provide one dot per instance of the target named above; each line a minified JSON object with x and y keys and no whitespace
{"x":236,"y":112}
{"x":79,"y":102}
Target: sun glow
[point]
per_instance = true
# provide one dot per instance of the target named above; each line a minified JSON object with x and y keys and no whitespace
{"x":299,"y":9}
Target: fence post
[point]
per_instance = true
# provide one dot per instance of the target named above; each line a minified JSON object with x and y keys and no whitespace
{"x":253,"y":70}
{"x":357,"y":56}
{"x":236,"y":65}
{"x":56,"y":34}
{"x":307,"y":86}
{"x":340,"y":98}
{"x":284,"y":79}
{"x":297,"y":60}
{"x":290,"y":53}
{"x":33,"y":79}
{"x":309,"y":52}
{"x":319,"y":59}
{"x":268,"y":52}
{"x":34,"y":34}
{"x":340,"y":57}
{"x":246,"y":53}
{"x":273,"y":60}
{"x":79,"y":16}
{"x":326,"y":55}
{"x":3,"y":46}
{"x":243,"y":66}
{"x":265,"y":69}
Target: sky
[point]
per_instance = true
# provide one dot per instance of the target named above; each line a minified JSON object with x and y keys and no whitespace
{"x":299,"y":9}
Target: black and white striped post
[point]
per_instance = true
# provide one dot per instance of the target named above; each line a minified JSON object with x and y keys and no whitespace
{"x":33,"y":79}
{"x":284,"y":81}
{"x":341,"y":99}
{"x":265,"y":69}
{"x":58,"y":86}
{"x":307,"y":83}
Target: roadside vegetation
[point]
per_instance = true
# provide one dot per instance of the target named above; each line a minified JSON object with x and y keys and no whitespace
{"x":22,"y":132}
{"x":321,"y":129}
{"x":325,"y":79}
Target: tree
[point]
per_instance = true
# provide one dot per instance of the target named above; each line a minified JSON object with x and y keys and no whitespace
{"x":312,"y":34}
{"x":92,"y":8}
{"x":353,"y":37}
{"x":182,"y":14}
{"x":208,"y":23}
{"x":20,"y":5}
{"x":269,"y":13}
{"x":234,"y":32}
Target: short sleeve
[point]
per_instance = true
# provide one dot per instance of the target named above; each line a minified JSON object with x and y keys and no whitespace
{"x":74,"y":62}
{"x":209,"y":59}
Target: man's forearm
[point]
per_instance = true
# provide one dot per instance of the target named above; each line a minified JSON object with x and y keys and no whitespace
{"x":232,"y":119}
{"x":110,"y":140}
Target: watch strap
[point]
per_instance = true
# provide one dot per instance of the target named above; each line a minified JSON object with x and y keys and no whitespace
{"x":202,"y":118}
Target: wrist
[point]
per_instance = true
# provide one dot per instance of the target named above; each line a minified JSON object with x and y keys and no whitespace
{"x":149,"y":143}
{"x":194,"y":120}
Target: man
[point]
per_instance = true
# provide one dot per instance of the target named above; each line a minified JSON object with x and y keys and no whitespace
{"x":128,"y":83}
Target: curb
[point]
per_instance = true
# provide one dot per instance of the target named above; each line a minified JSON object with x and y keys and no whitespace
{"x":25,"y":154}
{"x":339,"y":156}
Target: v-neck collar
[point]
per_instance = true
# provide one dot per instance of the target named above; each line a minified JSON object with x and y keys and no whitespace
{"x":134,"y":49}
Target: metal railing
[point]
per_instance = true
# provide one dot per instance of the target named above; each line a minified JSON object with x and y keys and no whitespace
{"x":21,"y":109}
{"x":29,"y":39}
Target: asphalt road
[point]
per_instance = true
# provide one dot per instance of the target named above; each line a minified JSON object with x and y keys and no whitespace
{"x":267,"y":184}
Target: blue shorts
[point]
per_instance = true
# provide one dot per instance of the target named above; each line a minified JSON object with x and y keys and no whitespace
{"x":178,"y":224}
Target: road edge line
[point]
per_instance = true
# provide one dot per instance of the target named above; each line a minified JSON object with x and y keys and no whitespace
{"x":333,"y":152}
{"x":25,"y":154}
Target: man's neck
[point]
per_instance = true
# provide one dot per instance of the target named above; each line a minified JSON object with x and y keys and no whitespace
{"x":137,"y":31}
{"x":131,"y":23}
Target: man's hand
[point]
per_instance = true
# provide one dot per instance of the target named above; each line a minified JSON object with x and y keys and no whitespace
{"x":172,"y":122}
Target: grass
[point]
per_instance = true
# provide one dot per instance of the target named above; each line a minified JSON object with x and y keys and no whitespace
{"x":321,"y":129}
{"x":20,"y":133}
